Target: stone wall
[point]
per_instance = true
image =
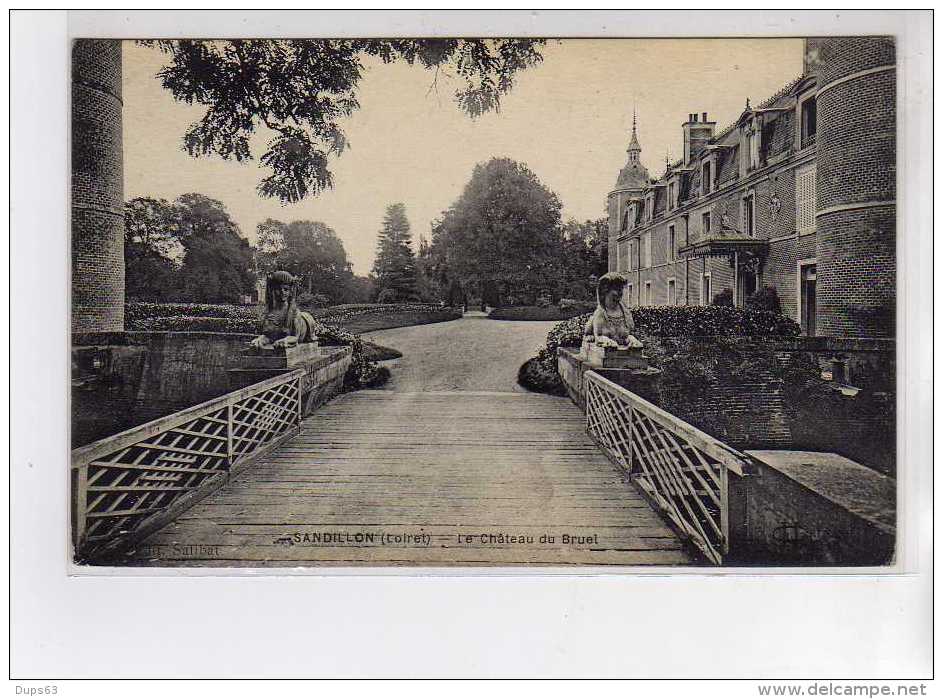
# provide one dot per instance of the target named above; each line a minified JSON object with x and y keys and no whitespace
{"x":160,"y":373}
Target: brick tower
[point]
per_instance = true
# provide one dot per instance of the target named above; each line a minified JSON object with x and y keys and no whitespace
{"x":97,"y":188}
{"x":856,"y":208}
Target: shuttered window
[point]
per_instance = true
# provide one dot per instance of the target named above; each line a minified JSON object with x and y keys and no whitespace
{"x":805,"y":200}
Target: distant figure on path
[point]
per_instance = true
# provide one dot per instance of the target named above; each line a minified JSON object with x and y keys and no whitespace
{"x":612,"y":323}
{"x":283,"y":324}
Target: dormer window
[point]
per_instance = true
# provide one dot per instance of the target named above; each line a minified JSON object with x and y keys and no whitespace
{"x":650,"y":207}
{"x":672,"y":195}
{"x":753,"y":140}
{"x":706,"y":181}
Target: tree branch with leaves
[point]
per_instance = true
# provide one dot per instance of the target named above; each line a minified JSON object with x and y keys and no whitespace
{"x":301,"y":89}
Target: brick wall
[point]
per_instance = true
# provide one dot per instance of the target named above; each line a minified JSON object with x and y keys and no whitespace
{"x":855,"y":250}
{"x":97,"y":188}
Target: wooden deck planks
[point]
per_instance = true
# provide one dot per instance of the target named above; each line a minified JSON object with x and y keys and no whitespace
{"x":425,"y":479}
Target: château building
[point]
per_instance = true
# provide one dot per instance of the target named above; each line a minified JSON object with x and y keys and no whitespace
{"x":798,"y":194}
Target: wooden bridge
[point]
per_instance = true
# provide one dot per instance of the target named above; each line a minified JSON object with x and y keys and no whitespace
{"x":434,"y":478}
{"x":450,"y":478}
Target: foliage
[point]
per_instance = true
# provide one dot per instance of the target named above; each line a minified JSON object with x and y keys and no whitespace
{"x":537,"y":312}
{"x":724,"y":297}
{"x":308,"y":300}
{"x":583,"y":258}
{"x":152,"y":248}
{"x":395,"y":265}
{"x":539,"y":374}
{"x":765,"y":299}
{"x":386,"y":296}
{"x":217,"y":262}
{"x":311,"y":251}
{"x":503,"y":232}
{"x":135,"y":311}
{"x":301,"y":90}
{"x":683,"y":321}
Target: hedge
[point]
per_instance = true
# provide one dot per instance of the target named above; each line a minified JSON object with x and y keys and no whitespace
{"x":538,"y":312}
{"x":363,"y":372}
{"x":673,"y":321}
{"x":683,"y":321}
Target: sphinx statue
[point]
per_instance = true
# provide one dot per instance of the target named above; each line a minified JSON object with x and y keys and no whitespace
{"x":612,"y":324}
{"x":283,"y":323}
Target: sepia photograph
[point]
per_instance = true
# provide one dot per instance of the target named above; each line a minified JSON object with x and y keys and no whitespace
{"x":483,"y":302}
{"x":485,"y":344}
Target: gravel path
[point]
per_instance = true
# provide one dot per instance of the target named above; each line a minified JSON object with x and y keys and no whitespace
{"x":470,"y":354}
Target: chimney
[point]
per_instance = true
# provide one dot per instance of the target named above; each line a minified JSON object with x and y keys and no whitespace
{"x":697,"y":134}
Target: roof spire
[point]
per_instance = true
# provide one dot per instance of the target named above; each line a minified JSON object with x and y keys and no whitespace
{"x":634,"y":148}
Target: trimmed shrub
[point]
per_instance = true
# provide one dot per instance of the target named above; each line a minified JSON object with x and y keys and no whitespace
{"x":765,"y":299}
{"x":674,"y":321}
{"x":534,"y":313}
{"x":724,"y":297}
{"x":139,"y":310}
{"x":387,"y":296}
{"x":306,"y":300}
{"x":539,"y":374}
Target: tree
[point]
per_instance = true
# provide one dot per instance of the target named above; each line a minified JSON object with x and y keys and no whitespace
{"x":310,"y":250}
{"x":583,"y":258}
{"x":152,"y":249}
{"x":395,"y":263}
{"x":502,"y":236}
{"x":217,"y":262}
{"x":301,"y":89}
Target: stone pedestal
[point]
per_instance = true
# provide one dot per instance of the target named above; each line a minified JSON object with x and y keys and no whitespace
{"x":613,"y":357}
{"x":571,"y":365}
{"x":324,"y":369}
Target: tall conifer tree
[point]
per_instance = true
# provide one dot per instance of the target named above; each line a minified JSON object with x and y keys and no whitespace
{"x":395,"y":264}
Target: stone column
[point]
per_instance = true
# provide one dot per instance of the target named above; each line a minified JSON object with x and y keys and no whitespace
{"x":97,"y":188}
{"x":856,"y":173}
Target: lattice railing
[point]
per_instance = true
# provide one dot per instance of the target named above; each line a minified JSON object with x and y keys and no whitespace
{"x":122,"y":483}
{"x":684,"y":471}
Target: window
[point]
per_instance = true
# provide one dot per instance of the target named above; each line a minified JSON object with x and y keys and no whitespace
{"x":808,"y":123}
{"x":706,"y":289}
{"x":631,"y":217}
{"x":629,"y":295}
{"x":633,"y":254}
{"x":672,"y":294}
{"x":646,"y":242}
{"x":625,"y":220}
{"x":671,"y":243}
{"x":650,"y":207}
{"x":648,"y":293}
{"x":672,"y":195}
{"x":706,"y":224}
{"x":805,"y":200}
{"x":622,"y":257}
{"x":806,"y":314}
{"x":752,"y":153}
{"x":706,"y":177}
{"x":749,"y":215}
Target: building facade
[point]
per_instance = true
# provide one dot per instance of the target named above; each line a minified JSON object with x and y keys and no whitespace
{"x":798,"y":194}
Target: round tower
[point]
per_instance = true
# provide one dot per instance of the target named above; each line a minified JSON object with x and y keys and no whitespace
{"x":97,"y":188}
{"x":856,"y":175}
